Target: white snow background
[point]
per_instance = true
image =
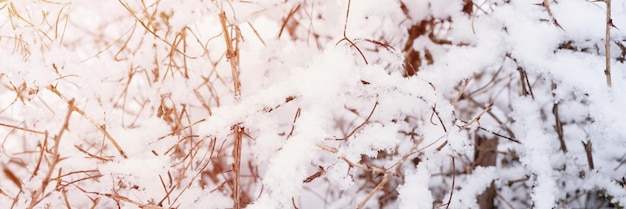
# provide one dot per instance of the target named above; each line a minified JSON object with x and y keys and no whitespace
{"x":131,"y":104}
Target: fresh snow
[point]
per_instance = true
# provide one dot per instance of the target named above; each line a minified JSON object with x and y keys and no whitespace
{"x":324,"y":121}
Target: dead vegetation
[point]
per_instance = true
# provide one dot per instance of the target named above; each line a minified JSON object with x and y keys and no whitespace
{"x":161,"y":52}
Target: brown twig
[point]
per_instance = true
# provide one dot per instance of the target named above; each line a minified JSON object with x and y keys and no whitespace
{"x":376,"y":189}
{"x":525,"y":83}
{"x":181,"y":129}
{"x":92,"y":155}
{"x":352,"y":164}
{"x":12,"y":177}
{"x":100,"y":127}
{"x":293,"y":202}
{"x":558,"y":125}
{"x":546,"y":5}
{"x":192,"y":153}
{"x":367,"y":120}
{"x":317,"y":174}
{"x":453,"y":180}
{"x":607,"y":43}
{"x":65,"y":199}
{"x":293,"y":126}
{"x":345,"y":37}
{"x":22,"y":129}
{"x":588,"y":151}
{"x":286,"y":20}
{"x":117,"y":197}
{"x":256,"y":33}
{"x":436,"y":113}
{"x":39,"y":194}
{"x":500,"y":135}
{"x":150,"y":29}
{"x":388,"y":173}
{"x":477,"y":118}
{"x":232,"y":54}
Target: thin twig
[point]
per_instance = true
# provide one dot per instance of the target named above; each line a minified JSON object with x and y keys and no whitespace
{"x":477,"y":118}
{"x":293,"y":202}
{"x":232,"y":54}
{"x":39,"y":194}
{"x":607,"y":43}
{"x":22,"y":129}
{"x":367,"y":120}
{"x":100,"y":127}
{"x":285,"y":21}
{"x":453,"y":179}
{"x":353,"y":164}
{"x":588,"y":151}
{"x":558,"y":125}
{"x":345,"y":37}
{"x":376,"y":189}
{"x":436,"y":113}
{"x":293,"y":125}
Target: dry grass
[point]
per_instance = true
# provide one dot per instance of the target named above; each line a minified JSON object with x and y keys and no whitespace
{"x":219,"y":164}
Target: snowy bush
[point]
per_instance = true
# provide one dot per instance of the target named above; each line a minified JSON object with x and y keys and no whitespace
{"x":312,"y":104}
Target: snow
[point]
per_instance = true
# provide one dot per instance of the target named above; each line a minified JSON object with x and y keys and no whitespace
{"x":327,"y":114}
{"x":414,"y":193}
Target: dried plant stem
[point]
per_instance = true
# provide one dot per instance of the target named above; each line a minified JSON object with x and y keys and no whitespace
{"x":588,"y":150}
{"x":376,"y":189}
{"x":353,"y":164}
{"x":285,"y":21}
{"x":453,"y":181}
{"x":38,"y":195}
{"x":367,"y":120}
{"x":23,"y":129}
{"x":558,"y":125}
{"x":388,"y":173}
{"x":293,"y":202}
{"x":100,"y":127}
{"x":150,"y":28}
{"x":607,"y":43}
{"x":232,"y":54}
{"x":345,"y":37}
{"x":237,"y":164}
{"x":477,"y":118}
{"x":118,"y":197}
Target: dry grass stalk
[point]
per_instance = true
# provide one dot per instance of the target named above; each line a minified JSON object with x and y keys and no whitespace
{"x":387,"y":173}
{"x":232,"y":56}
{"x":39,"y":194}
{"x":345,"y":36}
{"x":208,"y":168}
{"x":453,"y":181}
{"x":589,"y":153}
{"x":558,"y":125}
{"x":101,"y":127}
{"x":607,"y":43}
{"x":22,"y":129}
{"x":366,"y":121}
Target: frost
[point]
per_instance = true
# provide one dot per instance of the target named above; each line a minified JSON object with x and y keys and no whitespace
{"x":414,"y":193}
{"x":372,"y":139}
{"x":312,"y":104}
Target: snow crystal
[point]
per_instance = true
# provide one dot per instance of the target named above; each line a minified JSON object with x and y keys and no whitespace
{"x":414,"y":193}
